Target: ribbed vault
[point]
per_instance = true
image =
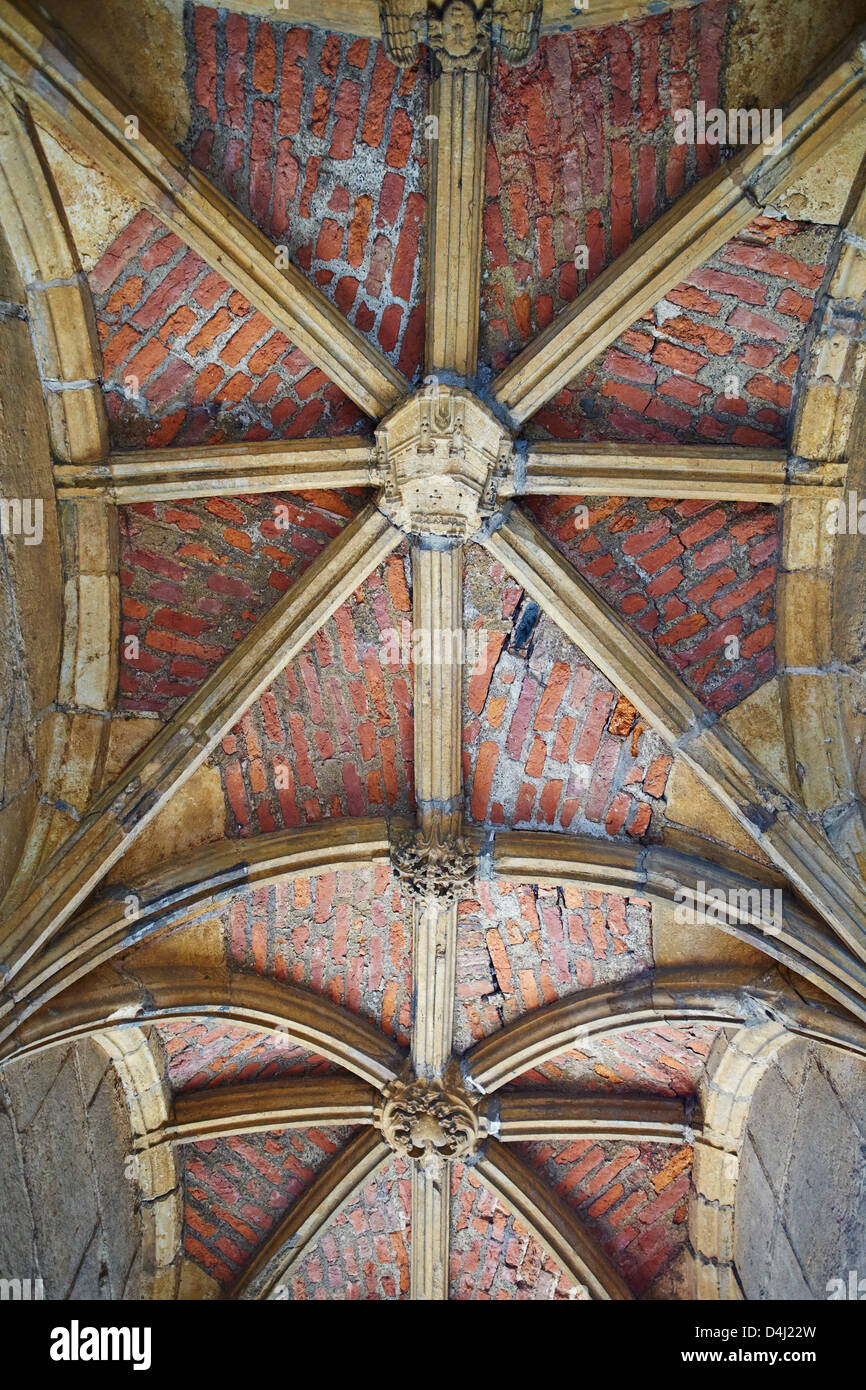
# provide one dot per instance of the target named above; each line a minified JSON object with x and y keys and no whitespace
{"x":417,"y":959}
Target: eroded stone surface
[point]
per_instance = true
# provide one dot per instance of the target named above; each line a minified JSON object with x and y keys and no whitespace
{"x":69,"y":1217}
{"x":442,"y":455}
{"x":806,"y":1201}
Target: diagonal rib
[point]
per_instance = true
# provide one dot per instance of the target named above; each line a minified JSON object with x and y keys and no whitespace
{"x":719,"y":207}
{"x":58,"y":82}
{"x":186,"y":741}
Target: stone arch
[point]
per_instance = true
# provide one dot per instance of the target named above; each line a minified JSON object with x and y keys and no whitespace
{"x":717,"y":995}
{"x":155,"y":1169}
{"x":820,"y":637}
{"x":737,"y":1062}
{"x":56,"y":307}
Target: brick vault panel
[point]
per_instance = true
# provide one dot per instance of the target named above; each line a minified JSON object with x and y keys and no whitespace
{"x":520,"y":947}
{"x":196,"y":575}
{"x":688,"y":576}
{"x":319,"y":139}
{"x":333,"y":736}
{"x":187,"y":360}
{"x":715,"y":360}
{"x":633,"y":1198}
{"x":236,"y":1190}
{"x":364,"y":1254}
{"x":665,"y":1060}
{"x":346,"y":935}
{"x":547,"y":740}
{"x":492,"y":1256}
{"x":582,"y":153}
{"x":203,"y":1054}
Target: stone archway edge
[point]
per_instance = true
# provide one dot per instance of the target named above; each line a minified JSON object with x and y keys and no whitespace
{"x":200,"y":882}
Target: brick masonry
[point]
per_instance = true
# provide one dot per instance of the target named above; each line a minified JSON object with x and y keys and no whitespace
{"x":333,"y":736}
{"x":687,"y":575}
{"x":522,"y":946}
{"x":319,"y":139}
{"x":713,"y":362}
{"x":196,"y":575}
{"x":633,"y":1198}
{"x":187,"y":360}
{"x":202,"y":1054}
{"x":345,"y":935}
{"x":364,"y":1254}
{"x":582,"y":153}
{"x":236,"y":1190}
{"x":663,"y":1060}
{"x":548,"y":742}
{"x":492,"y":1257}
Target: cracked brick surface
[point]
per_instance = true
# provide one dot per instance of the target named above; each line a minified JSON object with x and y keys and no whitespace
{"x":521,"y":946}
{"x":319,"y":139}
{"x":547,"y":740}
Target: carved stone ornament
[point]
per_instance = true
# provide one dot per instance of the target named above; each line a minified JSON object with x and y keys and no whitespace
{"x":425,"y":1120}
{"x":459,"y":37}
{"x":430,"y":867}
{"x":404,"y":24}
{"x":441,"y":457}
{"x":459,"y":34}
{"x":516,"y":25}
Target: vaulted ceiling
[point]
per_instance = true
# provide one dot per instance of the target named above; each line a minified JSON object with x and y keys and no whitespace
{"x":441,"y":456}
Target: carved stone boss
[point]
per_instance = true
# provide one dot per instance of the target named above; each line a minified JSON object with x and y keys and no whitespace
{"x":426,"y":1121}
{"x":441,"y":456}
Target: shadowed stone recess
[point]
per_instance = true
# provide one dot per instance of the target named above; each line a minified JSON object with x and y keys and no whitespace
{"x":808,"y":1200}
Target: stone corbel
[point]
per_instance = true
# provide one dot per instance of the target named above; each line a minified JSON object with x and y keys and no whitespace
{"x":458,"y":37}
{"x":460,"y":34}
